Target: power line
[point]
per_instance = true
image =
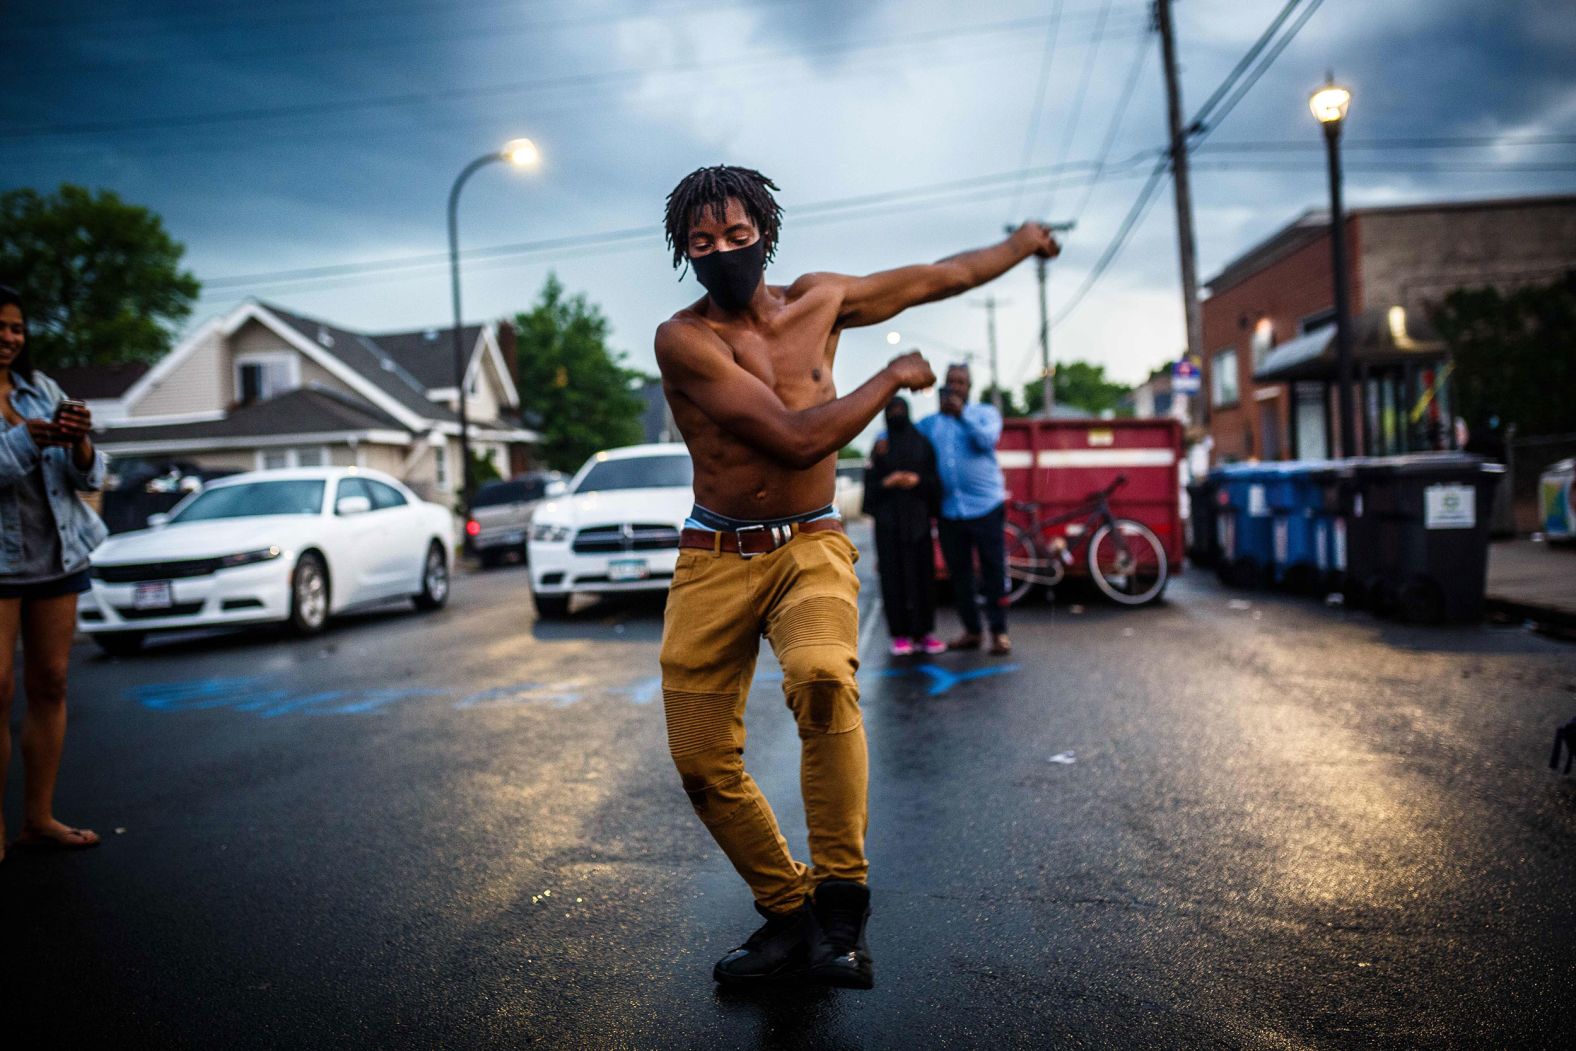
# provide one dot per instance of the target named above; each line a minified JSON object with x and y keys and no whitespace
{"x":616,"y":241}
{"x":229,"y":141}
{"x":247,"y":11}
{"x":923,"y":195}
{"x":318,"y":43}
{"x":1078,"y":97}
{"x":1244,"y":62}
{"x":1147,"y":192}
{"x":1042,"y":81}
{"x":1074,"y":169}
{"x":239,"y":116}
{"x":1118,"y":241}
{"x":1140,"y":52}
{"x":1457,"y":142}
{"x":1206,"y":126}
{"x":1269,"y":165}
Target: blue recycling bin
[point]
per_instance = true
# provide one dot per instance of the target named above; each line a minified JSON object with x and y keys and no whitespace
{"x":1295,"y":503}
{"x":1244,"y":526}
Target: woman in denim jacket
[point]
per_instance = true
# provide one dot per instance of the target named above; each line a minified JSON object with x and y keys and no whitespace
{"x":46,"y":535}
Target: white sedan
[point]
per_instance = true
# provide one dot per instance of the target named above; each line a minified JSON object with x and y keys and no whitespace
{"x":291,"y":546}
{"x":616,"y":530}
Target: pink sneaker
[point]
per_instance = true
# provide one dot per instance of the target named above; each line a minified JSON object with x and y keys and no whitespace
{"x":902,"y":647}
{"x":932,"y":645}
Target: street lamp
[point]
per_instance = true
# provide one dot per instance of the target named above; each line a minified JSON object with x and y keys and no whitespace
{"x":1329,"y":105}
{"x":521,"y":153}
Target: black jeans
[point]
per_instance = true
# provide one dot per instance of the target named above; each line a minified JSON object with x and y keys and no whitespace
{"x":960,"y":539}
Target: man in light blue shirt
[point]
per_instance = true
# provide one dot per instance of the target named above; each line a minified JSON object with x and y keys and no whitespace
{"x":973,"y":509}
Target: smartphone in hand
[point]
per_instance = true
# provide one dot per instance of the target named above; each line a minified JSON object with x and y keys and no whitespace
{"x":66,"y":428}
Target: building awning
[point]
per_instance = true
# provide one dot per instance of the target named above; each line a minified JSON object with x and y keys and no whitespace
{"x":1379,"y":338}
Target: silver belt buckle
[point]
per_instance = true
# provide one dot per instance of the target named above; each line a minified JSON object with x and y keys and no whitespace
{"x":780,"y":535}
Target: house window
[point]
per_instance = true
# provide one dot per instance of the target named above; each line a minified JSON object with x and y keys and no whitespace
{"x":440,"y":463}
{"x":263,"y":377}
{"x":1263,"y":340}
{"x":1223,"y":377}
{"x":277,"y":459}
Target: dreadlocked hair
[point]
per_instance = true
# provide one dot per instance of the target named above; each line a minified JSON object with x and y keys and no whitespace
{"x":710,"y":188}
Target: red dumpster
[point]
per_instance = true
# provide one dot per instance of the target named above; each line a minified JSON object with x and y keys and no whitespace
{"x":1059,"y":463}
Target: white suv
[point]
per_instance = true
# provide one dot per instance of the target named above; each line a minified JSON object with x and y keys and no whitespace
{"x":617,"y":528}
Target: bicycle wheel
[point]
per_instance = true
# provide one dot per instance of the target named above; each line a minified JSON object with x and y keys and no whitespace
{"x":1128,"y":563}
{"x":1025,"y":563}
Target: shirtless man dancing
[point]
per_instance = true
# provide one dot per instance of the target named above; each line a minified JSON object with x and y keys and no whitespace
{"x":748,"y":372}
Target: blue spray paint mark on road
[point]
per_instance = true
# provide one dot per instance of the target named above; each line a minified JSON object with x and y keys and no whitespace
{"x":253,"y":694}
{"x":194,"y":694}
{"x":942,"y":680}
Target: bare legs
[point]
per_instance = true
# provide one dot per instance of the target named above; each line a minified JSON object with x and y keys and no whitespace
{"x":46,"y":627}
{"x":10,"y":627}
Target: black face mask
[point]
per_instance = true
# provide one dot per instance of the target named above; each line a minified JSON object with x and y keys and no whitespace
{"x":730,"y":278}
{"x":897,"y":421}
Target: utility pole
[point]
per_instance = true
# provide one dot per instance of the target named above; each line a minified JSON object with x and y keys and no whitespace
{"x":990,"y":304}
{"x":1047,"y":379}
{"x":1187,"y":247}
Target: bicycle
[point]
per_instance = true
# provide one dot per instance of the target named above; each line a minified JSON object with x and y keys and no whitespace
{"x":1125,"y":558}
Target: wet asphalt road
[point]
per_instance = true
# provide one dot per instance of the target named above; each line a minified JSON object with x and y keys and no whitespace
{"x":1186,"y":826}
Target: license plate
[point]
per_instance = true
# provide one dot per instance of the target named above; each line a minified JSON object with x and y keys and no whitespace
{"x":152,"y":594}
{"x":516,"y":537}
{"x":628,"y":569}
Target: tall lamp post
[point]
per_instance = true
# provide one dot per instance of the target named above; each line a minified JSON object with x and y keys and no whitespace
{"x":1329,"y":105}
{"x":522,"y":153}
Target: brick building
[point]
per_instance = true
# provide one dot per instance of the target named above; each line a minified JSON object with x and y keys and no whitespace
{"x":1269,"y":321}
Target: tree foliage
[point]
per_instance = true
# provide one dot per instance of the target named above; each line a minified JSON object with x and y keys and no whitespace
{"x":581,"y":389}
{"x":1080,"y":385}
{"x":101,"y":278}
{"x":1514,"y":354}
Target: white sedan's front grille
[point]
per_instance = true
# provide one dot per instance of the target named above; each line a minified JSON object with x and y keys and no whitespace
{"x":633,"y":536}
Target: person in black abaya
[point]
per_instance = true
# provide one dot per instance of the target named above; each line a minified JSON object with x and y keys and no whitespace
{"x":902,"y":493}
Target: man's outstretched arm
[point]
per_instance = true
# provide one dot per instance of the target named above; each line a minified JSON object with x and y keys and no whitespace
{"x":696,"y":366}
{"x":878,"y":297}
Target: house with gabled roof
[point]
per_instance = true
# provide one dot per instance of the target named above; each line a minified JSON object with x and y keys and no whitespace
{"x":262,"y":386}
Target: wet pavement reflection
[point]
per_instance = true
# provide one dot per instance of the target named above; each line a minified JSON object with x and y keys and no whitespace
{"x":1216,"y":822}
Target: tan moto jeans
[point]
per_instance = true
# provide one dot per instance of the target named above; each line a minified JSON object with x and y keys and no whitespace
{"x":804,"y":598}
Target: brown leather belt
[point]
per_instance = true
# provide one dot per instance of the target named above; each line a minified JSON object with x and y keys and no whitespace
{"x":753,"y":540}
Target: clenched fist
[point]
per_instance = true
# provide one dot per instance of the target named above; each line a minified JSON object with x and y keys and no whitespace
{"x":1037,"y":238}
{"x":912,"y":371}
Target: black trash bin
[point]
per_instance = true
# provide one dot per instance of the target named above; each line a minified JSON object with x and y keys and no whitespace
{"x":1203,"y":544}
{"x":1359,"y":570}
{"x":1330,"y":480}
{"x":1424,"y":535}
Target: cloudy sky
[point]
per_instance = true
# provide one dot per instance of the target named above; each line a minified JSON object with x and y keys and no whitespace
{"x":312,"y":136}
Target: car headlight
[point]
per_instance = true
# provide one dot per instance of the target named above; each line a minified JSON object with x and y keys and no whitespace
{"x":548,"y":533}
{"x":246,"y":558}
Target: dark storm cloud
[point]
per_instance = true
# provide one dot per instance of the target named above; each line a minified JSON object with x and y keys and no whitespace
{"x":384,"y":102}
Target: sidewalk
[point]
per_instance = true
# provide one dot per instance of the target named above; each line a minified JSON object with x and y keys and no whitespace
{"x":1533,"y":580}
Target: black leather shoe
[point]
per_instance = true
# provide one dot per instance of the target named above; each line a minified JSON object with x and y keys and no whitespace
{"x":839,"y":954}
{"x":774,"y":953}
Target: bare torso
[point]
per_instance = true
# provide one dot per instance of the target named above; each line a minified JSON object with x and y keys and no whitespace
{"x":792,"y":351}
